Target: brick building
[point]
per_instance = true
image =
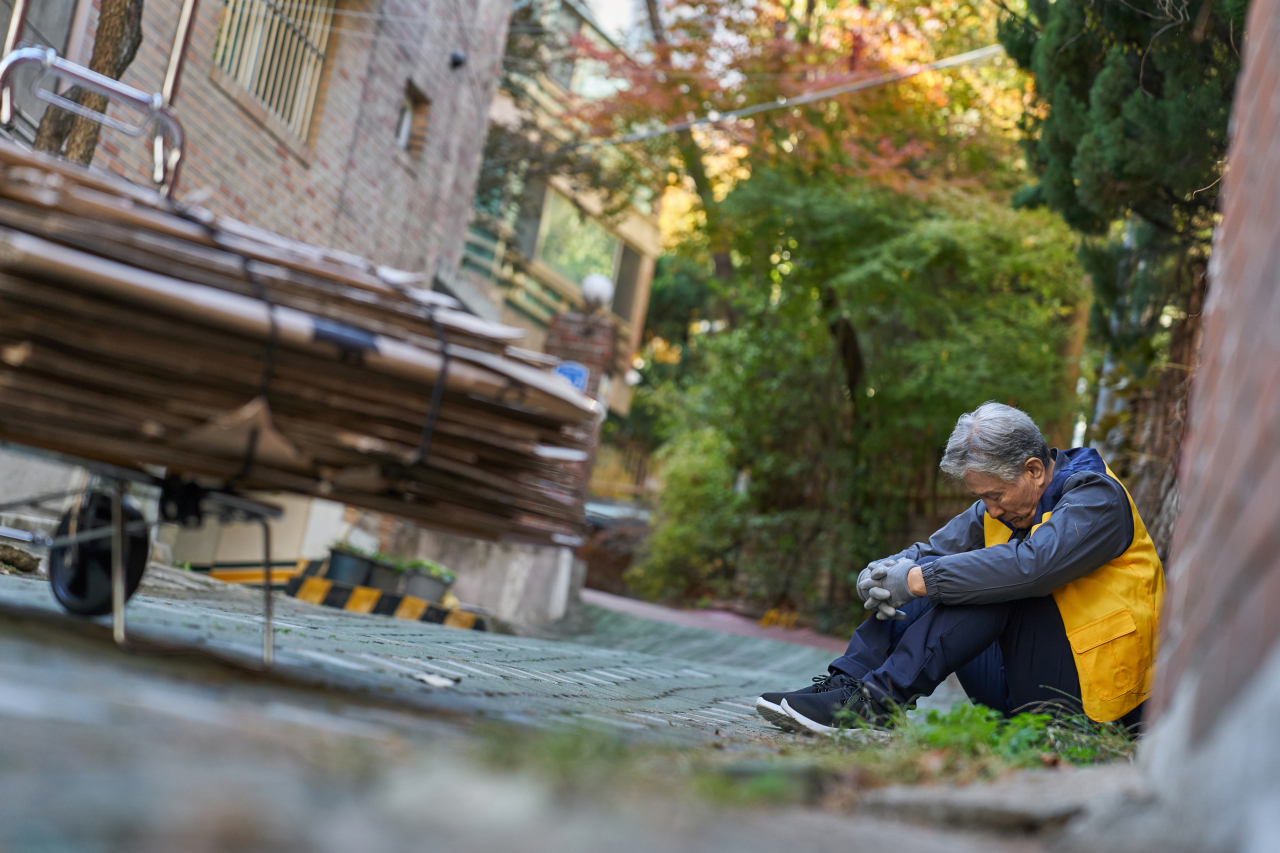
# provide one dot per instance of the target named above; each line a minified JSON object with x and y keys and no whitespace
{"x":357,"y":124}
{"x":528,"y":251}
{"x":344,"y":123}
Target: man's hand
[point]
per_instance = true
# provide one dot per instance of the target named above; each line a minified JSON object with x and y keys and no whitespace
{"x":892,"y":587}
{"x":866,"y":583}
{"x":864,"y":577}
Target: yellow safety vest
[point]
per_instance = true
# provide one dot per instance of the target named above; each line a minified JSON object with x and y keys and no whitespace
{"x":1111,"y":616}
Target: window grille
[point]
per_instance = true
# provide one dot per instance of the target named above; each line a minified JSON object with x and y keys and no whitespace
{"x":275,"y":49}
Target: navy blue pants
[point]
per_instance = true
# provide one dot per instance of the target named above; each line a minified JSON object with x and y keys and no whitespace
{"x":1010,"y":656}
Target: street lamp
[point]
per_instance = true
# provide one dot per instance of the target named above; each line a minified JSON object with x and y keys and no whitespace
{"x":597,"y":292}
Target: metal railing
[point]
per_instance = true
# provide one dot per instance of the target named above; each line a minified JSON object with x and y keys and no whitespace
{"x":275,"y":49}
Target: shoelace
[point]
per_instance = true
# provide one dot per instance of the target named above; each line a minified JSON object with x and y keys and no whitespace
{"x":839,"y":681}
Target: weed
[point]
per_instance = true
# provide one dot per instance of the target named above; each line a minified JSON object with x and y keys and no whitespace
{"x":969,"y":743}
{"x":972,"y":742}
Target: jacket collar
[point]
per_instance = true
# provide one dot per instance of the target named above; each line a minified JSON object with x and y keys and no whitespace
{"x":1066,"y":464}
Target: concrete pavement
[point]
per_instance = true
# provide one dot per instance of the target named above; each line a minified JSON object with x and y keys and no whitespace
{"x":370,"y":735}
{"x":445,"y":670}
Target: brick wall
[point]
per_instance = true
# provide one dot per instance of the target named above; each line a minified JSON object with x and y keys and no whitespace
{"x":590,"y":340}
{"x":348,"y":185}
{"x":1220,"y":620}
{"x":585,"y":338}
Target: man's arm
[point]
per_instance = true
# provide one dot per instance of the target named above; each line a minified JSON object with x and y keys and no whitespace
{"x":1091,"y":525}
{"x":960,"y":534}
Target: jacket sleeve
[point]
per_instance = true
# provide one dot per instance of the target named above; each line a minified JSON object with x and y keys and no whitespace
{"x":1091,"y":525}
{"x":960,"y":534}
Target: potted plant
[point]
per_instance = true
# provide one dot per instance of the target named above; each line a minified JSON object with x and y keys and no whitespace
{"x":427,"y":579}
{"x":386,"y":572}
{"x":348,"y":564}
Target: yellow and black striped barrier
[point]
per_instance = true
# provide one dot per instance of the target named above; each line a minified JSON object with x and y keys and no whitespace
{"x":308,"y":586}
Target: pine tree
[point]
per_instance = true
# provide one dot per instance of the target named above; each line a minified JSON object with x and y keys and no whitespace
{"x":1128,"y":137}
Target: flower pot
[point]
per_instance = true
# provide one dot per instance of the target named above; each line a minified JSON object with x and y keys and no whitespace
{"x":348,"y":568}
{"x":384,"y":577}
{"x":422,"y":585}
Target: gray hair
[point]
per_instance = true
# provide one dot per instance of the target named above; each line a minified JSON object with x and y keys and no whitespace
{"x":993,"y":439}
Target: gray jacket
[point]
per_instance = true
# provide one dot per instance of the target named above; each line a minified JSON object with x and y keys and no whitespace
{"x":1092,"y":524}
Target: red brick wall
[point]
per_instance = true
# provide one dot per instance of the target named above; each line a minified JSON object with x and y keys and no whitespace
{"x":1222,"y":617}
{"x":584,"y":338}
{"x":348,"y":185}
{"x":588,"y":339}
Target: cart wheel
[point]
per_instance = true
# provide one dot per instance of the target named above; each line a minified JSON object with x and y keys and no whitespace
{"x":80,"y":573}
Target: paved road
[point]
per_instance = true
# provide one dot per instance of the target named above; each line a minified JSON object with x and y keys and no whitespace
{"x":365,"y":737}
{"x":719,"y":621}
{"x":431,"y":667}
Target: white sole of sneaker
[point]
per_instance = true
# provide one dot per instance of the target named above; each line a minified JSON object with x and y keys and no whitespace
{"x":804,"y":722}
{"x":776,"y":715}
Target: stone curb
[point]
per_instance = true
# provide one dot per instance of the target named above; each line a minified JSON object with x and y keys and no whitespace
{"x":1030,"y":801}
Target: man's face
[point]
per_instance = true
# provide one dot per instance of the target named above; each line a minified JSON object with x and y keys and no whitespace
{"x":1014,"y":503}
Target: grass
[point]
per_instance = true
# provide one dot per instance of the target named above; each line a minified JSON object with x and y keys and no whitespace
{"x":969,"y":743}
{"x":972,"y":743}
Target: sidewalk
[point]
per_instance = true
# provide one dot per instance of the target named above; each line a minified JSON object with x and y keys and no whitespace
{"x":721,"y":621}
{"x":445,"y":670}
{"x":365,"y":736}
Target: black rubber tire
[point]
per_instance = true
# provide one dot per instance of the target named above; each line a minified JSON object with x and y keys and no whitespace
{"x":80,"y":574}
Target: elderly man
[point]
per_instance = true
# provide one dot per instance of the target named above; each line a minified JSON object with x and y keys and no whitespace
{"x":1044,"y":594}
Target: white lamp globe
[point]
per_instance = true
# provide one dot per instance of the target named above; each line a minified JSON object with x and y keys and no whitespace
{"x":597,"y":291}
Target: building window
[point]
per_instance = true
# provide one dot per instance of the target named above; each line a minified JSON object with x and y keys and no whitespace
{"x":575,"y":245}
{"x":411,"y":126}
{"x":276,"y":52}
{"x":48,"y":25}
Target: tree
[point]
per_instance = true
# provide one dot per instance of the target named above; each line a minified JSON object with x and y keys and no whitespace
{"x":1128,"y":137}
{"x":958,"y":300}
{"x":728,"y":54}
{"x":115,"y":45}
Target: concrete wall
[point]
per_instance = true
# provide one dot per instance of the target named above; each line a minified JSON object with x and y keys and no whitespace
{"x":519,"y":583}
{"x":23,"y":477}
{"x":307,"y":529}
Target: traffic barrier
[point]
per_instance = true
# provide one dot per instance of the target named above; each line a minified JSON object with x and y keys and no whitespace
{"x":310,"y":587}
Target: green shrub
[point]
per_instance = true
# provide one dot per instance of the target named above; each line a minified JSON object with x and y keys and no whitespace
{"x":696,"y":523}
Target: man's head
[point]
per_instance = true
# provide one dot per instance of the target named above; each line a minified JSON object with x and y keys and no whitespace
{"x":998,"y":452}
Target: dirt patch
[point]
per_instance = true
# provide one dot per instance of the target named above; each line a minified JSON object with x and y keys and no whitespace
{"x":18,"y":558}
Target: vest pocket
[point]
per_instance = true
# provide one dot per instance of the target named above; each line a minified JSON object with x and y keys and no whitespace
{"x":1110,"y":652}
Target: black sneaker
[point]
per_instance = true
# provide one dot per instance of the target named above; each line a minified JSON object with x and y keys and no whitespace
{"x":769,"y":705}
{"x":843,"y":705}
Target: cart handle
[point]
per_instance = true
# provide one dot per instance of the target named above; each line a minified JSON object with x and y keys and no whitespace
{"x":160,"y":121}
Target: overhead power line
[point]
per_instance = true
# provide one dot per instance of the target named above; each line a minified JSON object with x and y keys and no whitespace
{"x":780,"y":103}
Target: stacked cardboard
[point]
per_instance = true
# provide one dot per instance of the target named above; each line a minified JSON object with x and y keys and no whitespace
{"x":141,"y":332}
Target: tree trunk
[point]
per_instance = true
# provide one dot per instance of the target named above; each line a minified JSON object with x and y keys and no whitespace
{"x":655,"y":22}
{"x":1160,"y":423}
{"x":692,"y":156}
{"x":117,"y":41}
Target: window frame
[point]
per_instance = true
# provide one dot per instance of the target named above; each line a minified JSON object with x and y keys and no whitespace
{"x":413,"y":121}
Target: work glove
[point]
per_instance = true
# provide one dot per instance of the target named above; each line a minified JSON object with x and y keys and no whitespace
{"x":864,"y":577}
{"x":867,"y":582}
{"x":890,"y":588}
